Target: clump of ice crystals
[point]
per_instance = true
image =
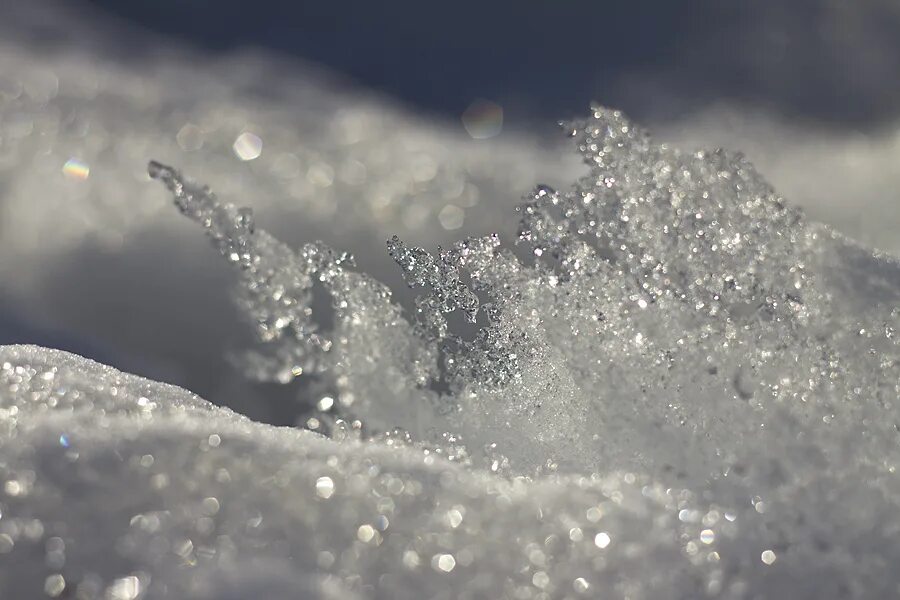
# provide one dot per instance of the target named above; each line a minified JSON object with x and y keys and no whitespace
{"x":679,"y":389}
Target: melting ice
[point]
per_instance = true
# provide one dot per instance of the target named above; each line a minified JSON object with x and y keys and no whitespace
{"x":670,"y":385}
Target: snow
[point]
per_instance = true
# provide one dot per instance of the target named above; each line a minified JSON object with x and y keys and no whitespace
{"x":676,"y":387}
{"x":661,"y":381}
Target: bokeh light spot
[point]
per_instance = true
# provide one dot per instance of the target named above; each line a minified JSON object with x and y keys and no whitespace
{"x":451,"y":217}
{"x":77,"y":170}
{"x":483,"y":119}
{"x":248,"y":146}
{"x":190,"y":138}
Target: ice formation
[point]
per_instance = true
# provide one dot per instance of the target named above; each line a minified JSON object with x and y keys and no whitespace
{"x":337,"y":163}
{"x":671,"y":385}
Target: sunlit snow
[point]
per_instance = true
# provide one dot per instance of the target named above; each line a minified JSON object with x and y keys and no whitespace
{"x":670,"y":385}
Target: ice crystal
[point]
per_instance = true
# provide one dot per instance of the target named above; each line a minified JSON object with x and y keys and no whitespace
{"x":277,"y":283}
{"x":662,"y":284}
{"x":370,"y":345}
{"x":442,"y":275}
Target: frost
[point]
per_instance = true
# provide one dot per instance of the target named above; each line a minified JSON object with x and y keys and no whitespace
{"x":670,"y":385}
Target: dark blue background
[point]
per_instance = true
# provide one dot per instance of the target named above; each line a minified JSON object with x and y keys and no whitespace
{"x":825,"y":61}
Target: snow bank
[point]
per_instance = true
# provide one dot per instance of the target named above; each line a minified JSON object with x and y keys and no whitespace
{"x":676,"y":387}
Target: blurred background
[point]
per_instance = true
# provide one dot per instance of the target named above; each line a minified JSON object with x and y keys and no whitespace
{"x":350,"y":121}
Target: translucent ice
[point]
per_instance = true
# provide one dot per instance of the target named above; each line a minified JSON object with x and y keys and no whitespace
{"x":674,"y":387}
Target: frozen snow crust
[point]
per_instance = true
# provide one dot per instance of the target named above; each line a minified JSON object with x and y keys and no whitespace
{"x":678,"y":388}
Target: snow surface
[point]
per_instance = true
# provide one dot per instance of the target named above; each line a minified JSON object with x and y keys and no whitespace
{"x":675,"y":385}
{"x":679,"y":389}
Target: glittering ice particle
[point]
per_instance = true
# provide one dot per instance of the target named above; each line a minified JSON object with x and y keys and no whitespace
{"x":411,"y":559}
{"x":54,"y":585}
{"x":324,"y":487}
{"x":768,"y":557}
{"x":365,"y":533}
{"x":483,"y":119}
{"x":248,"y":146}
{"x":602,"y":540}
{"x":126,"y":588}
{"x":455,"y":517}
{"x":443,"y":562}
